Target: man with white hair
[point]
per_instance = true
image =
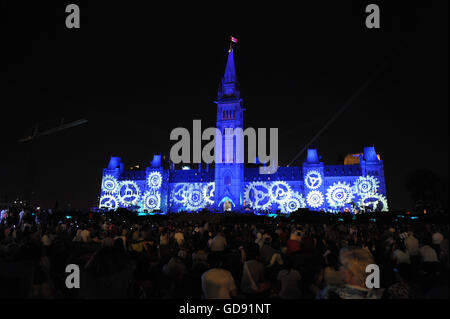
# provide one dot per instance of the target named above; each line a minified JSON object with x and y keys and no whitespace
{"x":354,"y":261}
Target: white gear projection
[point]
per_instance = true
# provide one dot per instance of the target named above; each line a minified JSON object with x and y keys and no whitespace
{"x":109,"y":202}
{"x":366,"y":185}
{"x":195,"y":199}
{"x":339,"y":194}
{"x":258,"y":195}
{"x":280,"y":192}
{"x":314,"y":199}
{"x":109,"y":184}
{"x":180,"y":193}
{"x":128,"y":193}
{"x":152,"y":201}
{"x":293,"y":203}
{"x":154,"y":180}
{"x":208,"y":192}
{"x":374,"y":202}
{"x":313,"y":180}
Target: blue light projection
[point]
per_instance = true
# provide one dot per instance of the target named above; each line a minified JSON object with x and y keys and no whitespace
{"x":366,"y":185}
{"x":152,"y":201}
{"x":154,"y":180}
{"x":278,"y":194}
{"x":293,"y":203}
{"x":128,"y":193}
{"x":109,"y":202}
{"x":180,"y":193}
{"x":280,"y":191}
{"x":208,"y":193}
{"x":109,"y":184}
{"x":258,"y":195}
{"x":339,"y":194}
{"x":314,"y":199}
{"x":192,"y":196}
{"x":313,"y":180}
{"x":231,"y":186}
{"x":194,"y":199}
{"x":350,"y":193}
{"x":374,"y":202}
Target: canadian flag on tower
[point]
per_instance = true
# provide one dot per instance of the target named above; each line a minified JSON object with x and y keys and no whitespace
{"x":233,"y":39}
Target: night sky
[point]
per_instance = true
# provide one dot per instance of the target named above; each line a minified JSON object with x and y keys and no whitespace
{"x":137,"y":73}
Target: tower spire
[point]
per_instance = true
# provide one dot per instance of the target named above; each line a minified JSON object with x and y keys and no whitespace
{"x":229,"y":86}
{"x":230,"y":70}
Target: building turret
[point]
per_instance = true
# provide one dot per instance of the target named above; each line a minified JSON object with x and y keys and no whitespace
{"x":312,"y":157}
{"x":115,"y":163}
{"x":370,"y":155}
{"x":156,"y":161}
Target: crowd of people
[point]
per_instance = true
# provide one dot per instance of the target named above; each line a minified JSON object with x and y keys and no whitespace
{"x":218,"y":257}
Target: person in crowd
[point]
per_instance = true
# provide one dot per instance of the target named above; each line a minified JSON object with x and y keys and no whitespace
{"x":354,"y":261}
{"x":401,"y":288}
{"x":200,"y":256}
{"x":253,"y":283}
{"x":412,"y":245}
{"x":176,"y":268}
{"x":289,"y":281}
{"x":218,"y":243}
{"x":217,"y":283}
{"x":85,"y":234}
{"x":46,"y":239}
{"x":400,"y":254}
{"x":293,"y":244}
{"x":125,"y":255}
{"x":259,"y":239}
{"x":108,"y":241}
{"x":179,"y":237}
{"x":266,"y":251}
{"x":308,"y":243}
{"x":331,"y":273}
{"x":427,"y":253}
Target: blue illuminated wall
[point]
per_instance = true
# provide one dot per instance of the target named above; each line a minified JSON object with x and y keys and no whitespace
{"x":317,"y":187}
{"x":142,"y":191}
{"x":312,"y":185}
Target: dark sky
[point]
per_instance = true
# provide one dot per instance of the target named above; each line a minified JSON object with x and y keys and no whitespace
{"x":136,"y":73}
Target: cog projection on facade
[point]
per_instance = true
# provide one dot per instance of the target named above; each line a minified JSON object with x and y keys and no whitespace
{"x":358,"y":184}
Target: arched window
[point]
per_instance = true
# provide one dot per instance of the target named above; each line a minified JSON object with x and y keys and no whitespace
{"x":227,"y":180}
